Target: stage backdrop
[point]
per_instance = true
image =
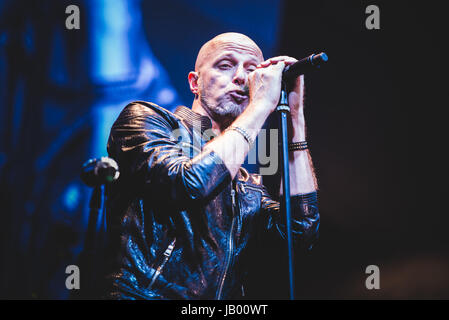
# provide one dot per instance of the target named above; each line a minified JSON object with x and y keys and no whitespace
{"x":374,"y":121}
{"x":61,"y":91}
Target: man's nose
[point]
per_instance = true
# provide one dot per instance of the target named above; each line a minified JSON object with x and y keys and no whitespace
{"x":240,"y":76}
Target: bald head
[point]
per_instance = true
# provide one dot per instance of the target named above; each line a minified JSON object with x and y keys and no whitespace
{"x":224,"y":41}
{"x":220,"y":79}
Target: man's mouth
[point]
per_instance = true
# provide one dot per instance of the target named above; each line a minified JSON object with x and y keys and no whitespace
{"x":239,"y":95}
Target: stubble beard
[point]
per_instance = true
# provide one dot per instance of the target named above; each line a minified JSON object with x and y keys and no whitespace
{"x":224,"y":111}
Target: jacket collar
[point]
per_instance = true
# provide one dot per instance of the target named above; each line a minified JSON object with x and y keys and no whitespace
{"x":193,"y":119}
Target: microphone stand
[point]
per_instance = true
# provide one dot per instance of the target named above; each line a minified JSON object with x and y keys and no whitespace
{"x":96,"y":223}
{"x":284,"y":112}
{"x":291,"y":72}
{"x":94,"y":239}
{"x":96,"y":173}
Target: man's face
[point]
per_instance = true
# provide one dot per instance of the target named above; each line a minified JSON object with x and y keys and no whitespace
{"x":223,"y":77}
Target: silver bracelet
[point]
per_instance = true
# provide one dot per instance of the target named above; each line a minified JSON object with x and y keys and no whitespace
{"x":243,"y":133}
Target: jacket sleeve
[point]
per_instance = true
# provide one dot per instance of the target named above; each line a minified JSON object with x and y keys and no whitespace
{"x":305,"y":218}
{"x":143,"y":143}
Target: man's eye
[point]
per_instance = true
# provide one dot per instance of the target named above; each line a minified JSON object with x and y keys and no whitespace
{"x":225,"y":66}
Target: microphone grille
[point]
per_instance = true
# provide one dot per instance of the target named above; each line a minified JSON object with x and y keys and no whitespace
{"x":319,"y":58}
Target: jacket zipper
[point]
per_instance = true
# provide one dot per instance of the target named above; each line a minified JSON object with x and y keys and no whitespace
{"x":167,"y":254}
{"x":231,"y":247}
{"x":251,"y":188}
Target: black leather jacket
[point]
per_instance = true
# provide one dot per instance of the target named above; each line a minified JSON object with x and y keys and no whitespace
{"x":179,"y":227}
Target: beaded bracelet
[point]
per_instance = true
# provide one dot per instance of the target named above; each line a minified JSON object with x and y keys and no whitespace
{"x":297,"y":146}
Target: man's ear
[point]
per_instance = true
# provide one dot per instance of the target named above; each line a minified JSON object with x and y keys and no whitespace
{"x":193,"y":82}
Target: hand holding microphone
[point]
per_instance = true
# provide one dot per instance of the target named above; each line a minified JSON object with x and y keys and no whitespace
{"x":292,"y":69}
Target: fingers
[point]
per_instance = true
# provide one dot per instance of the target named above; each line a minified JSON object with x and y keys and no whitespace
{"x":279,"y":67}
{"x":265,"y":85}
{"x":276,"y":68}
{"x":271,"y":71}
{"x":272,"y":61}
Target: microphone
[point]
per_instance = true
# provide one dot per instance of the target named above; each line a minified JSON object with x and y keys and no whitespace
{"x":302,"y":66}
{"x":96,"y":172}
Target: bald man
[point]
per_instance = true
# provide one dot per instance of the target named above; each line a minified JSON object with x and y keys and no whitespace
{"x":184,"y":217}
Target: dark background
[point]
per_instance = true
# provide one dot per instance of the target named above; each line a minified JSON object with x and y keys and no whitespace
{"x":376,"y":123}
{"x":375,"y":115}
